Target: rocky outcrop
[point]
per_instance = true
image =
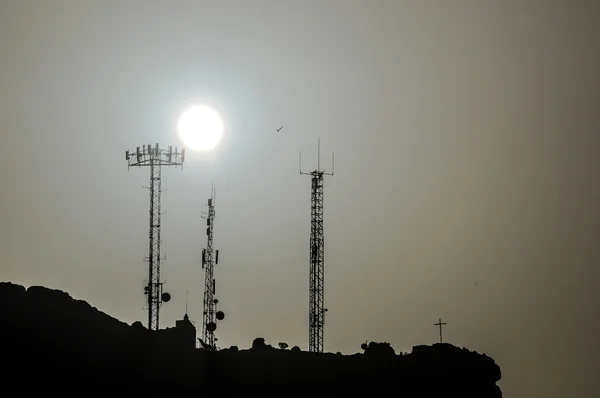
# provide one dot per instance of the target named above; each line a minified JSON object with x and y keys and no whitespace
{"x":56,"y":344}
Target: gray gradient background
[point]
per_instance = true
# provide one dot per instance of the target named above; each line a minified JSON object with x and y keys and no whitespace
{"x":466,"y":184}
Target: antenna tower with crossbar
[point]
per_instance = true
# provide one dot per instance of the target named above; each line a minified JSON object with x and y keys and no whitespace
{"x":154,"y":158}
{"x":316,"y":292}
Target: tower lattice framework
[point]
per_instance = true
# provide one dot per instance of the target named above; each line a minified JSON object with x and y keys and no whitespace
{"x":154,"y":158}
{"x":210,"y":257}
{"x":316,"y":283}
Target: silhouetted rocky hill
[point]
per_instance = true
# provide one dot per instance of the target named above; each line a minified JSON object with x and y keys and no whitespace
{"x":52,"y":343}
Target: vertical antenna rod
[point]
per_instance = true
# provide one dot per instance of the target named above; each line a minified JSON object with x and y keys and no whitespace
{"x":316,"y":300}
{"x":186,"y":302}
{"x":210,"y":258}
{"x":155,"y":158}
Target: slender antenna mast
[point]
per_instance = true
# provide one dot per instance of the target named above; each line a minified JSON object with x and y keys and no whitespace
{"x":155,"y":158}
{"x":210,"y":258}
{"x":316,"y":300}
{"x":186,"y":302}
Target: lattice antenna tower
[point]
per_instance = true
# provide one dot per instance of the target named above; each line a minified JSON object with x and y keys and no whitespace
{"x":154,"y":158}
{"x":210,"y":258}
{"x":316,"y":284}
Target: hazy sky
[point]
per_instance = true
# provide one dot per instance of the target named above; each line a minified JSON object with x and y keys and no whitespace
{"x":466,"y":185}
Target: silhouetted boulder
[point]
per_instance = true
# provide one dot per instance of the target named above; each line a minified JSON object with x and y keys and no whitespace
{"x":11,"y":292}
{"x":379,"y":350}
{"x":137,"y":325}
{"x":258,"y":342}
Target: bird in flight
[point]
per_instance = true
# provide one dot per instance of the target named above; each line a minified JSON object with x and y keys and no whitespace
{"x":279,"y":128}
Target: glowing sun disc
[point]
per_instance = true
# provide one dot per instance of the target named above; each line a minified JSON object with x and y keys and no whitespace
{"x":200,"y":128}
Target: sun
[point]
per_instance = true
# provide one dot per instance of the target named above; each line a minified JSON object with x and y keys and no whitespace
{"x":200,"y":128}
